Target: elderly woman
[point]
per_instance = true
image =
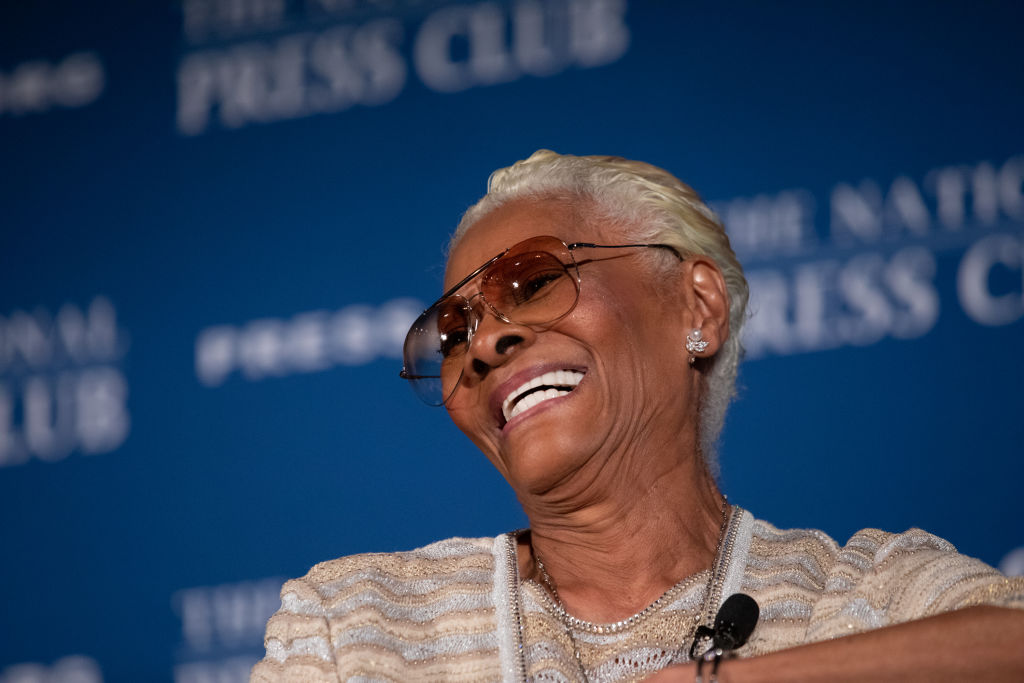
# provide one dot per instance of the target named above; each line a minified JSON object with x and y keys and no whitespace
{"x":587,"y":343}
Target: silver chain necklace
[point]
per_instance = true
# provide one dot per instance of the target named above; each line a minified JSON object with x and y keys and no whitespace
{"x":711,"y":594}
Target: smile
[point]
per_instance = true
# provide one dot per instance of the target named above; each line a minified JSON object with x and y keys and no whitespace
{"x":539,"y":389}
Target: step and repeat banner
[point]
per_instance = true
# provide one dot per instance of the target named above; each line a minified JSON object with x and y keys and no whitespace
{"x":220,"y":216}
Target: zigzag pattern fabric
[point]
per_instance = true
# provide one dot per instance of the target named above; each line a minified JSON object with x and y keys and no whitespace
{"x":452,"y":611}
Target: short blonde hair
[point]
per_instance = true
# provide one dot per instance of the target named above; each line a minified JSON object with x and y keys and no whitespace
{"x":652,"y":205}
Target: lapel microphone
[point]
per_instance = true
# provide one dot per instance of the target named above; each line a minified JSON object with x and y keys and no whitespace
{"x":734,"y":623}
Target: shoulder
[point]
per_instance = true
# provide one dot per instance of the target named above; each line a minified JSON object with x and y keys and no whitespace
{"x":786,"y":571}
{"x":868,"y":550}
{"x":919,"y":571}
{"x":784,"y":559}
{"x":391,"y":610}
{"x":915,"y":574}
{"x":810,"y":587}
{"x":770,"y":541}
{"x":370,"y":581}
{"x":445,"y":559}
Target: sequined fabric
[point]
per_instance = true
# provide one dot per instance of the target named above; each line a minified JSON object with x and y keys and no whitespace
{"x":451,"y":611}
{"x":629,"y":654}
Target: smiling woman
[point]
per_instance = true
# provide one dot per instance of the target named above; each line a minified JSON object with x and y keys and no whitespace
{"x":587,"y":342}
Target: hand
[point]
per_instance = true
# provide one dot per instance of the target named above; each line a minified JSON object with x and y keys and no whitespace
{"x":972,"y":644}
{"x":681,"y":673}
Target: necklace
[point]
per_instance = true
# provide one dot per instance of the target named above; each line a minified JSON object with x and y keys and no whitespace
{"x":712,"y":593}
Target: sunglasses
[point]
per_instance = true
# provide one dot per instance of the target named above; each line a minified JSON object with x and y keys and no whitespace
{"x":535,"y":282}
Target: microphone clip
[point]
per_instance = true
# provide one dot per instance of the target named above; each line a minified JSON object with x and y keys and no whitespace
{"x":734,"y":623}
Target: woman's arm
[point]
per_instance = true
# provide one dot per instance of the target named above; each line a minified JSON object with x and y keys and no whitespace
{"x":976,"y":643}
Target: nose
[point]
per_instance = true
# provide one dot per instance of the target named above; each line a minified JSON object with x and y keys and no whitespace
{"x":494,"y":343}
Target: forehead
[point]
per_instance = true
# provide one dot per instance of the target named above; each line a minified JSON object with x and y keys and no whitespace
{"x":516,"y":221}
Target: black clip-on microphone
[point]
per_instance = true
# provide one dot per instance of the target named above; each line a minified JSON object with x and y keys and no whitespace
{"x":734,"y":623}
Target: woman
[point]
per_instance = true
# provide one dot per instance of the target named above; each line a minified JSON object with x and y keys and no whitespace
{"x":587,"y":343}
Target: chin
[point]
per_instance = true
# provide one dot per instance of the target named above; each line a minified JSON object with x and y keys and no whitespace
{"x":534,"y":470}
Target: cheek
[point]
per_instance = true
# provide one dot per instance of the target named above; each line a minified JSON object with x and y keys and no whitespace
{"x":630,"y":329}
{"x":469,"y":418}
{"x":470,"y":423}
{"x":610,"y":319}
{"x":459,"y":414}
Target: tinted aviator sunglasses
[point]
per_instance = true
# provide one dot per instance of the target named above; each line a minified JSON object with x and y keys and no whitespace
{"x":535,"y":282}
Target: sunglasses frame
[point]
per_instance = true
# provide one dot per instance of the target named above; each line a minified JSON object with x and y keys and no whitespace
{"x":475,"y":318}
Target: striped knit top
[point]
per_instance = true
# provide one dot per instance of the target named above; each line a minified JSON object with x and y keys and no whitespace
{"x":456,"y":610}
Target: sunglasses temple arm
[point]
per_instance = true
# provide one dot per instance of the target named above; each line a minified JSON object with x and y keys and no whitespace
{"x":591,"y":245}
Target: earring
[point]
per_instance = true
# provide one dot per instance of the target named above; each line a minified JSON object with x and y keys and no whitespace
{"x":695,"y":344}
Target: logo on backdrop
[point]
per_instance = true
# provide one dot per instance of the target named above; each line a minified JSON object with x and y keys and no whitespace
{"x":306,"y":342}
{"x":260,"y":61}
{"x":62,"y":388}
{"x":873,"y":269}
{"x":222,"y":629}
{"x":37,"y":86}
{"x":70,"y":669}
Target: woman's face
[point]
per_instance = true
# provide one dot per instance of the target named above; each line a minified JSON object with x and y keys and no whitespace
{"x":623,"y":343}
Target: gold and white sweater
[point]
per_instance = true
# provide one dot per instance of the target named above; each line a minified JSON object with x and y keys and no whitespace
{"x":456,"y":611}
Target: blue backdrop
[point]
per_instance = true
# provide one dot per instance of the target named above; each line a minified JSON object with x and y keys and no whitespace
{"x":219,"y":217}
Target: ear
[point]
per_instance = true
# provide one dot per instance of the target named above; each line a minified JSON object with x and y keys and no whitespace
{"x":707,"y":302}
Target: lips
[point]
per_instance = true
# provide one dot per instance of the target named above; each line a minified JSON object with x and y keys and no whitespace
{"x":541,"y":388}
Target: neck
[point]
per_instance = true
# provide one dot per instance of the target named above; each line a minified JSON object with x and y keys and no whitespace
{"x":613,"y":550}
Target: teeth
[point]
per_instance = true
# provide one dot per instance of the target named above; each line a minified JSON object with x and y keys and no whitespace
{"x":564,"y":380}
{"x":535,"y":398}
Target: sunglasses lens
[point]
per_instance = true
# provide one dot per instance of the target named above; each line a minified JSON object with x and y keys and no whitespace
{"x":533,"y":284}
{"x":530,"y":287}
{"x":434,"y":348}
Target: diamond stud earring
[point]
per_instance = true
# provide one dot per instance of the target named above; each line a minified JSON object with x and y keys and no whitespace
{"x":695,"y":343}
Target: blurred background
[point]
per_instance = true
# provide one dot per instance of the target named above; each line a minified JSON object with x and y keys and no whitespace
{"x":219,"y":217}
